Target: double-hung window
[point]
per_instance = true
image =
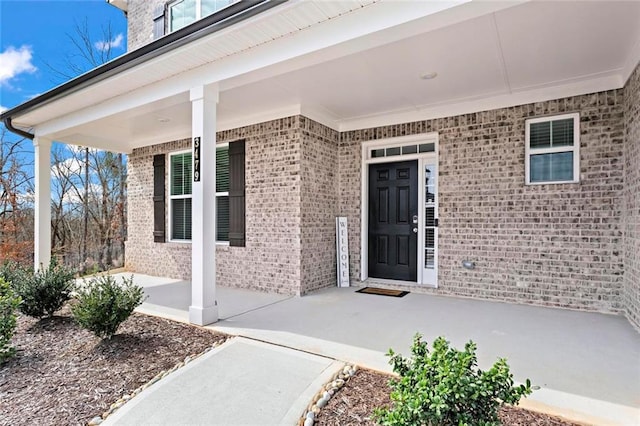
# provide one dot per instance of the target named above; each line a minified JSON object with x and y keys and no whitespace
{"x":180,"y":195}
{"x":552,"y":149}
{"x":184,"y":12}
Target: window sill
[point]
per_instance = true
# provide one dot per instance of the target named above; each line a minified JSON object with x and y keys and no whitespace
{"x":187,"y":242}
{"x":555,"y":182}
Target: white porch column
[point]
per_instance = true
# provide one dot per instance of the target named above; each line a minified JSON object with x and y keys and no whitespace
{"x":42,"y":234}
{"x":204,"y":307}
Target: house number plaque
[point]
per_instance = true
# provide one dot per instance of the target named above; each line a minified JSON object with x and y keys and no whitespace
{"x":196,"y":159}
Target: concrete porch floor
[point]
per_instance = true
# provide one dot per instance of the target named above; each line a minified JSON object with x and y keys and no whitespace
{"x":587,"y":365}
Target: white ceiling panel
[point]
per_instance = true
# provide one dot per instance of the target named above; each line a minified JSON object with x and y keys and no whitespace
{"x":546,"y":42}
{"x":465,"y":57}
{"x":387,"y":78}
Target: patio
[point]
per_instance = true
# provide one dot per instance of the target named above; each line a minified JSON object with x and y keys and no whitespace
{"x":586,"y":364}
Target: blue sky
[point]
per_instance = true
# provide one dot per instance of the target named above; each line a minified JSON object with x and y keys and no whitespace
{"x":34,"y":33}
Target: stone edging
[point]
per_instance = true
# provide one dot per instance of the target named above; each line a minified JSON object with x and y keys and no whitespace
{"x":161,"y":375}
{"x":326,"y":393}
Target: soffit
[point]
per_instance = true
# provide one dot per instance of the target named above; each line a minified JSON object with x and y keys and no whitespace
{"x":282,"y":21}
{"x":512,"y":55}
{"x":532,"y":52}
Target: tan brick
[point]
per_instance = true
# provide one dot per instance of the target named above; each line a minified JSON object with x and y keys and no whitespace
{"x":554,"y":245}
{"x":631,"y":206}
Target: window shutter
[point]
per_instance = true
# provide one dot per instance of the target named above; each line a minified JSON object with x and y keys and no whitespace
{"x":222,"y":185}
{"x":158,"y":22}
{"x":158,"y":199}
{"x":236,"y":194}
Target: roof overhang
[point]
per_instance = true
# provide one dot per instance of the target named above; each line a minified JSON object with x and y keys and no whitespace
{"x":120,"y":4}
{"x":354,"y":64}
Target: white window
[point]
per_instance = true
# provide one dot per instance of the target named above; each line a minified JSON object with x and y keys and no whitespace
{"x":552,"y":149}
{"x":184,"y":12}
{"x":180,"y":178}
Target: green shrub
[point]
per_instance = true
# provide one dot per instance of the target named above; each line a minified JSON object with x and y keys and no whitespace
{"x":45,"y":291}
{"x":13,"y":272}
{"x":103,"y":304}
{"x":9,"y":302}
{"x":446,"y":387}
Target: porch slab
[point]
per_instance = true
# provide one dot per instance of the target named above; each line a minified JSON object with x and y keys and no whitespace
{"x":586,"y":364}
{"x":171,"y":297}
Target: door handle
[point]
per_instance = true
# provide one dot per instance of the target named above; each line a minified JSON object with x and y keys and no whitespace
{"x":415,"y":230}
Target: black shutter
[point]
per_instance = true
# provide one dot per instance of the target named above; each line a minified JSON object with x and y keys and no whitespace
{"x":236,"y":194}
{"x":158,"y":199}
{"x":158,"y":22}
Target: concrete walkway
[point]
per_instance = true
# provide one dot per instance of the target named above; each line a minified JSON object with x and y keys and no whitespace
{"x":242,"y":382}
{"x":586,"y":364}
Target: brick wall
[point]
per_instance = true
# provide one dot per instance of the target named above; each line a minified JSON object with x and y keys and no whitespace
{"x":140,"y":22}
{"x":632,"y":199}
{"x":555,"y":245}
{"x":319,"y":206}
{"x":271,"y":259}
{"x":142,"y":254}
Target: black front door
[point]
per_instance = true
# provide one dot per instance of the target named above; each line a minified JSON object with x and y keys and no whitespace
{"x":393,"y":209}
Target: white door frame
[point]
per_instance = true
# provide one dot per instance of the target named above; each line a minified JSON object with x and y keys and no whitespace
{"x":424,"y":279}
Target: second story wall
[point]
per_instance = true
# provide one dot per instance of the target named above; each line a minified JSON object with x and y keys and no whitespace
{"x":140,"y":22}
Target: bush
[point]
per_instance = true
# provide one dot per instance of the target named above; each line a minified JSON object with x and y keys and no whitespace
{"x":45,"y":291}
{"x":103,"y":304}
{"x":9,"y":302}
{"x":11,"y":272}
{"x":446,"y":387}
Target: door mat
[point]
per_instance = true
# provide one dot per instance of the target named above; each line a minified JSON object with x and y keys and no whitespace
{"x":383,"y":292}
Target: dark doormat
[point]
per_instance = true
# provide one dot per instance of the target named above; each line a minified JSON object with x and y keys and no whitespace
{"x":383,"y":292}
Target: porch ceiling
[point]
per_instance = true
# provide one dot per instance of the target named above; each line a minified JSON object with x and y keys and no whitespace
{"x":484,"y":57}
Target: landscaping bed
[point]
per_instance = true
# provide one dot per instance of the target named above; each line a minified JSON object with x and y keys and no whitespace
{"x":64,"y":375}
{"x":354,"y":403}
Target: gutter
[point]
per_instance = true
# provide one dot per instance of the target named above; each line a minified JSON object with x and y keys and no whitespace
{"x":9,"y":126}
{"x":226,"y":17}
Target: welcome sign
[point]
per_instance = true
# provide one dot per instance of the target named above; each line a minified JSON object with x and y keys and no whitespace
{"x":342,"y":250}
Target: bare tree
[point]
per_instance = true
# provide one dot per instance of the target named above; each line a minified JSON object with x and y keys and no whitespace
{"x":16,"y":212}
{"x":98,"y":179}
{"x":85,"y":55}
{"x":90,"y":195}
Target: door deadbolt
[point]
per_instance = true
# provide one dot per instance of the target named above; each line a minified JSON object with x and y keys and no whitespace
{"x":415,"y":218}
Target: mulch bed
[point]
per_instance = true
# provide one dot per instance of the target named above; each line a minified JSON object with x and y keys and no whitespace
{"x":64,"y":375}
{"x":353,"y":405}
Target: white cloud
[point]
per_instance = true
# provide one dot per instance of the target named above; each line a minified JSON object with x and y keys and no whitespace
{"x":15,"y":61}
{"x":3,"y":109}
{"x":70,"y":166}
{"x":109,"y":44}
{"x":72,"y":197}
